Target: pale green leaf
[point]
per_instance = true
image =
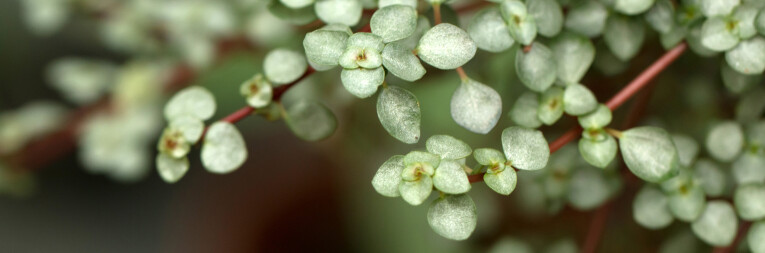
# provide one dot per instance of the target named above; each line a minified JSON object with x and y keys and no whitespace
{"x":388,"y":177}
{"x":361,"y":82}
{"x":446,"y":46}
{"x":489,"y":156}
{"x":451,"y":178}
{"x":687,"y":149}
{"x":578,"y":100}
{"x":453,"y":216}
{"x":695,"y":39}
{"x":712,"y":8}
{"x":651,"y":208}
{"x":719,"y":34}
{"x":401,"y":62}
{"x":385,"y":3}
{"x":587,"y":18}
{"x":502,"y":182}
{"x":756,"y":237}
{"x":632,"y":7}
{"x":448,"y":147}
{"x":649,"y":153}
{"x":711,"y":178}
{"x":588,"y":189}
{"x":415,"y":192}
{"x":296,"y":4}
{"x":536,"y":68}
{"x":296,"y":16}
{"x":598,"y":118}
{"x":548,"y":16}
{"x":750,"y":201}
{"x":725,"y":141}
{"x":224,"y":149}
{"x":573,"y":56}
{"x":399,"y":113}
{"x":366,"y":41}
{"x":748,"y":168}
{"x":283,"y":66}
{"x":737,"y":82}
{"x":171,"y":169}
{"x":624,"y":36}
{"x":489,"y":31}
{"x":751,"y":105}
{"x":476,"y":106}
{"x":394,"y":22}
{"x":190,"y":127}
{"x":748,"y":57}
{"x":520,"y":23}
{"x":324,"y":46}
{"x":193,"y":101}
{"x":414,"y":157}
{"x":717,"y":225}
{"x":598,"y":153}
{"x":745,"y":16}
{"x":345,"y":12}
{"x":525,"y":148}
{"x":310,"y":121}
{"x":524,"y":111}
{"x":661,"y":16}
{"x":355,"y":57}
{"x":551,"y":106}
{"x":258,"y":91}
{"x":687,"y":203}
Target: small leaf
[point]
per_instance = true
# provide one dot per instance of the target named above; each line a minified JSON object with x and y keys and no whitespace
{"x":687,"y":149}
{"x":258,"y":91}
{"x":588,"y":189}
{"x":388,"y":177}
{"x":394,"y":22}
{"x":525,"y":148}
{"x":587,"y":18}
{"x":415,"y":157}
{"x":520,"y":24}
{"x":750,"y":201}
{"x":224,"y":149}
{"x":362,"y":83}
{"x":695,"y":39}
{"x":324,"y":47}
{"x":190,"y":127}
{"x":756,"y":237}
{"x":624,"y":36}
{"x":296,"y":4}
{"x":345,"y":12}
{"x":171,"y":169}
{"x":453,"y":216}
{"x":712,"y":8}
{"x":651,"y":208}
{"x":451,"y":178}
{"x":502,"y":182}
{"x":476,"y":106}
{"x":711,"y":178}
{"x":632,"y":7}
{"x":725,"y":141}
{"x":598,"y":153}
{"x":748,"y":57}
{"x":401,"y":62}
{"x":448,"y":147}
{"x":548,"y":16}
{"x":399,"y":113}
{"x":578,"y":100}
{"x":366,"y":41}
{"x":446,"y":46}
{"x":536,"y":68}
{"x":573,"y":56}
{"x":687,"y":204}
{"x":661,"y":16}
{"x":598,"y":118}
{"x":745,"y":16}
{"x":551,"y":106}
{"x":717,"y":34}
{"x":310,"y":121}
{"x":489,"y":156}
{"x":296,"y":16}
{"x":748,"y":168}
{"x":193,"y":101}
{"x":283,"y":66}
{"x":489,"y":31}
{"x":717,"y":225}
{"x":649,"y":153}
{"x":524,"y":111}
{"x":415,"y":192}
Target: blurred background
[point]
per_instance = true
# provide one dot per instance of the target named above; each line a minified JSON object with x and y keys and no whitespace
{"x":61,"y":195}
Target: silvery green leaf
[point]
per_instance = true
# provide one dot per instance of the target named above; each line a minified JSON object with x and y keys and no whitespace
{"x":717,"y":225}
{"x":284,"y":66}
{"x":711,"y":178}
{"x":687,"y":149}
{"x":695,"y":41}
{"x":548,"y":16}
{"x":489,"y":156}
{"x":489,"y":31}
{"x":632,"y":7}
{"x":578,"y":100}
{"x":598,"y":153}
{"x":624,"y":35}
{"x":385,"y":3}
{"x":401,"y":62}
{"x":687,"y":204}
{"x":502,"y":182}
{"x":756,"y":237}
{"x":661,"y":16}
{"x":750,"y":201}
{"x":310,"y":121}
{"x":588,"y":189}
{"x":388,"y":177}
{"x":190,"y":127}
{"x":448,"y":147}
{"x":453,"y":216}
{"x":366,"y":41}
{"x":296,"y":4}
{"x":649,"y":153}
{"x":171,"y":169}
{"x":520,"y":23}
{"x":399,"y":113}
{"x":346,"y":12}
{"x":598,"y":118}
{"x":394,"y":22}
{"x":587,"y":18}
{"x":415,"y":192}
{"x":446,"y":46}
{"x":712,"y":8}
{"x":718,"y":35}
{"x":355,"y":57}
{"x":748,"y":168}
{"x":525,"y":148}
{"x":737,"y":82}
{"x":299,"y":16}
{"x":745,"y":16}
{"x":476,"y":106}
{"x":362,"y":82}
{"x":422,"y":157}
{"x":451,"y":178}
{"x":748,"y":57}
{"x":536,"y":68}
{"x":524,"y":111}
{"x":193,"y":101}
{"x":324,"y":47}
{"x":258,"y":91}
{"x":725,"y":141}
{"x":224,"y":149}
{"x":651,"y":208}
{"x":573,"y":56}
{"x":682,"y":181}
{"x":551,"y":106}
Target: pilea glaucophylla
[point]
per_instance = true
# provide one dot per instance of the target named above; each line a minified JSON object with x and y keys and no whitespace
{"x":550,"y":51}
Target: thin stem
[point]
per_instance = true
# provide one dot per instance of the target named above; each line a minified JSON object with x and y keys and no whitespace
{"x":461,"y":72}
{"x":437,"y":13}
{"x":597,"y":225}
{"x":613,"y":132}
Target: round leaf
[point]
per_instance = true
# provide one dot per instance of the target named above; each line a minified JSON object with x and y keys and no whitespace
{"x":711,"y":178}
{"x":415,"y":192}
{"x":578,"y":100}
{"x":687,"y":203}
{"x":750,"y":201}
{"x":394,"y":22}
{"x":649,"y":153}
{"x":388,"y":177}
{"x":502,"y":182}
{"x":756,"y":237}
{"x":190,"y":127}
{"x":401,"y":62}
{"x":598,"y":118}
{"x":520,"y":23}
{"x":258,"y":91}
{"x":725,"y":141}
{"x":598,"y":153}
{"x":489,"y":31}
{"x":651,"y":208}
{"x":193,"y":101}
{"x":548,"y":16}
{"x":573,"y":56}
{"x":712,"y":8}
{"x":632,"y":7}
{"x":284,"y":66}
{"x":324,"y":47}
{"x":536,"y":68}
{"x":525,"y":148}
{"x":224,"y":149}
{"x":362,"y":82}
{"x":171,"y":169}
{"x":488,"y":156}
{"x":310,"y":121}
{"x":717,"y":225}
{"x":587,"y":18}
{"x":448,"y":147}
{"x":748,"y":168}
{"x":446,"y":46}
{"x":748,"y":57}
{"x":399,"y":113}
{"x":624,"y":36}
{"x":661,"y":16}
{"x":453,"y":216}
{"x":451,"y":178}
{"x":687,"y":149}
{"x":345,"y":12}
{"x":476,"y":106}
{"x":551,"y":106}
{"x":718,"y":34}
{"x":524,"y":111}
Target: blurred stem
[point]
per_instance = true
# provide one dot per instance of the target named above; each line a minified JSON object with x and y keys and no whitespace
{"x":437,"y":13}
{"x":464,"y":77}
